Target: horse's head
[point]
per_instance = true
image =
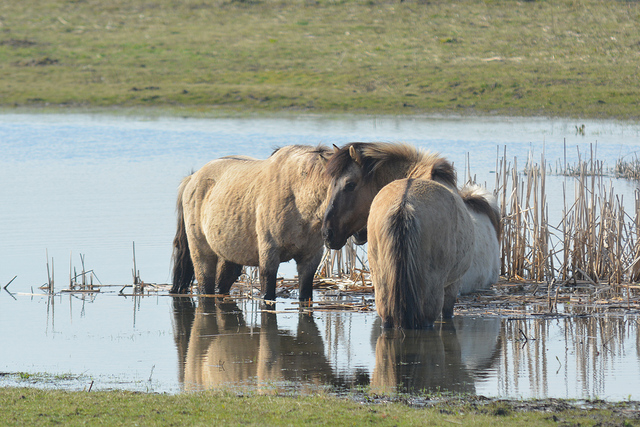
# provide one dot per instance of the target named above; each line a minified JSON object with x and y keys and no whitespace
{"x":351,"y":193}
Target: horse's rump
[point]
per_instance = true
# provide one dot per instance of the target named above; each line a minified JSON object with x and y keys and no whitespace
{"x":478,"y":199}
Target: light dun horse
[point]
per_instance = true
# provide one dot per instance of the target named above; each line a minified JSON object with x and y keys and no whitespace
{"x":239,"y":211}
{"x":420,"y":245}
{"x":421,"y":233}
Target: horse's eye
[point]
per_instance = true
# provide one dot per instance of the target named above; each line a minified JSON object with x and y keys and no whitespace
{"x":350,"y":186}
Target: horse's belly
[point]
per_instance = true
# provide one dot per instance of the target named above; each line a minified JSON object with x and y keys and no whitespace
{"x":234,"y":242}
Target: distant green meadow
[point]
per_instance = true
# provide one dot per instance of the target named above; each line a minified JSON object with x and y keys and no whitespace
{"x":495,"y":57}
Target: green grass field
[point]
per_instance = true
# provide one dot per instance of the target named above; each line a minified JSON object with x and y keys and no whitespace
{"x":572,"y":58}
{"x":34,"y":407}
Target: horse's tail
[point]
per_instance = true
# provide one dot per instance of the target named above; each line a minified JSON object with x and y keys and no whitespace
{"x":401,"y":254}
{"x":183,"y":273}
{"x":480,"y":200}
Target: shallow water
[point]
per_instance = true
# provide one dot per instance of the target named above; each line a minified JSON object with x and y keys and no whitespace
{"x":94,"y":184}
{"x":165,"y":344}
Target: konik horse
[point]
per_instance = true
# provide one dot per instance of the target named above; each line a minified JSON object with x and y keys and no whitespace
{"x":238,"y":211}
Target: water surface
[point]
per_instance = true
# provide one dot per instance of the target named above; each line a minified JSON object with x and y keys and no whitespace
{"x":94,"y":184}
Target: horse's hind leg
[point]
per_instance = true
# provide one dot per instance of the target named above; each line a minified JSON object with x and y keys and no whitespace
{"x":204,"y":266}
{"x":228,"y":273}
{"x":306,"y":271}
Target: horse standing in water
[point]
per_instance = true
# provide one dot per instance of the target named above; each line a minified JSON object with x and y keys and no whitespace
{"x":485,"y":267}
{"x":238,"y":211}
{"x":421,"y":235}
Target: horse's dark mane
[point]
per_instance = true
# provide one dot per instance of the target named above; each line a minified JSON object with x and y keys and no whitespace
{"x":477,"y":201}
{"x":341,"y":159}
{"x":376,"y":156}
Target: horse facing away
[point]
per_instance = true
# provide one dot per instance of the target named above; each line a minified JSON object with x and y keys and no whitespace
{"x":358,"y":171}
{"x":420,"y":221}
{"x":485,"y":267}
{"x":238,"y":211}
{"x":420,"y":245}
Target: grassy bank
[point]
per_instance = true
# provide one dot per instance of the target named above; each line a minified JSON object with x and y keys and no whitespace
{"x":574,"y":58}
{"x":37,"y":407}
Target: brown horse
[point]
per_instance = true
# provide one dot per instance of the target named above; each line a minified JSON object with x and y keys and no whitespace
{"x":423,"y":237}
{"x":238,"y":211}
{"x":359,"y":170}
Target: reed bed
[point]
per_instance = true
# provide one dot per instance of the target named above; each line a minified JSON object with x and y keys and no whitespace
{"x":595,"y":248}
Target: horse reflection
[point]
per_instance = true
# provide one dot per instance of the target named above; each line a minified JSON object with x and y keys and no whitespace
{"x":223,"y":350}
{"x":444,"y":358}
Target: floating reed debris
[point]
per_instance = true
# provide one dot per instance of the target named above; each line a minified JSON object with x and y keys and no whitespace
{"x":7,"y":285}
{"x":50,"y":274}
{"x":82,"y":281}
{"x":628,"y":169}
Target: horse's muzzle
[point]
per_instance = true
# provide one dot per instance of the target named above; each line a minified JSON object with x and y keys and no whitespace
{"x":329,"y":238}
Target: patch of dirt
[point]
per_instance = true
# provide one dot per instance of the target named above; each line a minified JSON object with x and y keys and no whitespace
{"x":41,"y":62}
{"x":17,"y":43}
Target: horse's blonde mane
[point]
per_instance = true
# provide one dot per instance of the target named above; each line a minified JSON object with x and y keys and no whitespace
{"x":384,"y":162}
{"x":310,"y":159}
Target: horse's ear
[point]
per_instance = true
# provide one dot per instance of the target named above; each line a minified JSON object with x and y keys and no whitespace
{"x":355,"y":155}
{"x":335,"y":149}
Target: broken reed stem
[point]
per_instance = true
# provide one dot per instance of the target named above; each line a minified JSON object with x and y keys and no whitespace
{"x":50,"y":273}
{"x":7,"y":285}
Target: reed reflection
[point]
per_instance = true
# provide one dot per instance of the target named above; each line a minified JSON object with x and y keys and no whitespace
{"x":448,"y":357}
{"x":218,"y":348}
{"x":569,"y":357}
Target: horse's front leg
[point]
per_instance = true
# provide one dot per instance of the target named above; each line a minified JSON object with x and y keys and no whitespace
{"x":268,"y":283}
{"x":307,"y":268}
{"x":228,"y":273}
{"x":269,"y":263}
